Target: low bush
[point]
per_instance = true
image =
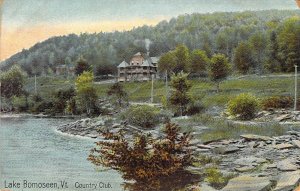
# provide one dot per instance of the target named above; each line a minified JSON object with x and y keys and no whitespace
{"x":215,"y":178}
{"x":244,"y":106}
{"x":143,"y":115}
{"x":277,"y":102}
{"x":195,"y":108}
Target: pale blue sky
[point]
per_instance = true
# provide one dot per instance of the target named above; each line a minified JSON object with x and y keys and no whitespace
{"x":35,"y":11}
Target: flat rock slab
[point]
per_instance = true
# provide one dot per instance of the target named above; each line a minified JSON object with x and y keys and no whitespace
{"x":245,"y":169}
{"x":251,"y":137}
{"x":225,"y":150}
{"x":287,"y":165}
{"x":284,"y":146}
{"x":296,"y":143}
{"x":248,"y":161}
{"x":288,"y":181}
{"x":248,"y":183}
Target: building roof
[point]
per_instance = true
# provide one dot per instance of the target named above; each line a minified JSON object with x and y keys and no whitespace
{"x":138,"y":54}
{"x":147,"y":63}
{"x":123,"y":64}
{"x":154,"y":59}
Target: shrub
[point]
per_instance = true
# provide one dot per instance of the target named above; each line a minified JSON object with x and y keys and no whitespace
{"x":195,"y":108}
{"x":215,"y":178}
{"x":144,"y":116}
{"x":145,"y":160}
{"x":276,"y":102}
{"x":20,"y":103}
{"x":244,"y":106}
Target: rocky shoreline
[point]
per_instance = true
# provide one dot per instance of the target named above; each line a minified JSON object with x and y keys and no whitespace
{"x":259,"y":163}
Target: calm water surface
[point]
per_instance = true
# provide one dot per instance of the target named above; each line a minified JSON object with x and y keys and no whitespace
{"x":31,"y":150}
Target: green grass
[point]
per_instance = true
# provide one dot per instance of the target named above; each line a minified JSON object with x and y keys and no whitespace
{"x":202,"y":90}
{"x":219,"y":128}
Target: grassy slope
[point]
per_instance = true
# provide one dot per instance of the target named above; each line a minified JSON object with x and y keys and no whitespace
{"x":201,"y":89}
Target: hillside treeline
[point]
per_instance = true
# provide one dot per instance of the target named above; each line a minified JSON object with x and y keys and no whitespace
{"x":265,"y":41}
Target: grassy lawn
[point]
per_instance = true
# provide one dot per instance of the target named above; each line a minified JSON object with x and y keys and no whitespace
{"x":201,"y":89}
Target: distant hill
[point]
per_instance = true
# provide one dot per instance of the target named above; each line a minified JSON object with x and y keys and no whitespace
{"x":214,"y":33}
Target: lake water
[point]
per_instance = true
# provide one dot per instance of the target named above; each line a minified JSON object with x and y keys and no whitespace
{"x":31,"y":150}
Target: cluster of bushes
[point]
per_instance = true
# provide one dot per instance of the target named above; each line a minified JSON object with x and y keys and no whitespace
{"x":245,"y":106}
{"x":277,"y":102}
{"x":145,"y":116}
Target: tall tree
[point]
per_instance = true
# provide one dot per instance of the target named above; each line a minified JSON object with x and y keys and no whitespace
{"x":117,"y":92}
{"x":82,"y":65}
{"x":179,"y":97}
{"x":289,"y":43}
{"x":182,"y":58}
{"x":243,"y":58}
{"x":199,"y":62}
{"x":12,"y":82}
{"x":86,"y":93}
{"x":219,"y":69}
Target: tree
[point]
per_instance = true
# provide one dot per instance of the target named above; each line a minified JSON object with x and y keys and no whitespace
{"x":12,"y":82}
{"x":258,"y":43}
{"x":273,"y":62}
{"x":199,"y":62}
{"x":82,"y":65}
{"x":243,"y":58}
{"x":219,"y":69}
{"x":145,"y":160}
{"x":179,"y":97}
{"x":182,"y":58}
{"x":117,"y":92}
{"x":167,"y":62}
{"x":86,"y":93}
{"x":289,"y":45}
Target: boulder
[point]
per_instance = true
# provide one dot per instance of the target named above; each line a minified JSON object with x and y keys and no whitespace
{"x":251,"y":137}
{"x":284,"y":146}
{"x":248,"y":183}
{"x":287,"y":165}
{"x":225,"y":150}
{"x":288,"y":181}
{"x":296,"y":143}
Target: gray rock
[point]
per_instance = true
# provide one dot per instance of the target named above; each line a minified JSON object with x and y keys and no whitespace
{"x":288,"y":181}
{"x":248,"y":183}
{"x":251,"y":137}
{"x":284,"y":146}
{"x":296,"y":143}
{"x":248,"y":161}
{"x":287,"y":165}
{"x":245,"y":169}
{"x":226,"y":150}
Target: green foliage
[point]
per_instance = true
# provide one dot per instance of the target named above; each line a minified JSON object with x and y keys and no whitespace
{"x":199,"y":62}
{"x":244,"y":106}
{"x":289,"y":45}
{"x":195,"y":107}
{"x":182,"y":58}
{"x":277,"y":102}
{"x":82,"y":65}
{"x":86,"y":93}
{"x":60,"y":100}
{"x":20,"y":104}
{"x":12,"y":82}
{"x":217,"y":32}
{"x":179,"y":97}
{"x":243,"y":58}
{"x":145,"y":159}
{"x":215,"y":178}
{"x":144,"y":116}
{"x":219,"y":68}
{"x":117,"y":92}
{"x":167,"y":62}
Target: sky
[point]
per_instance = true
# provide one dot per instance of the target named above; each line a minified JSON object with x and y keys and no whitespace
{"x":26,"y":22}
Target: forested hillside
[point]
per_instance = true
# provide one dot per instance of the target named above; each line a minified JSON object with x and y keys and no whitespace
{"x":268,"y":37}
